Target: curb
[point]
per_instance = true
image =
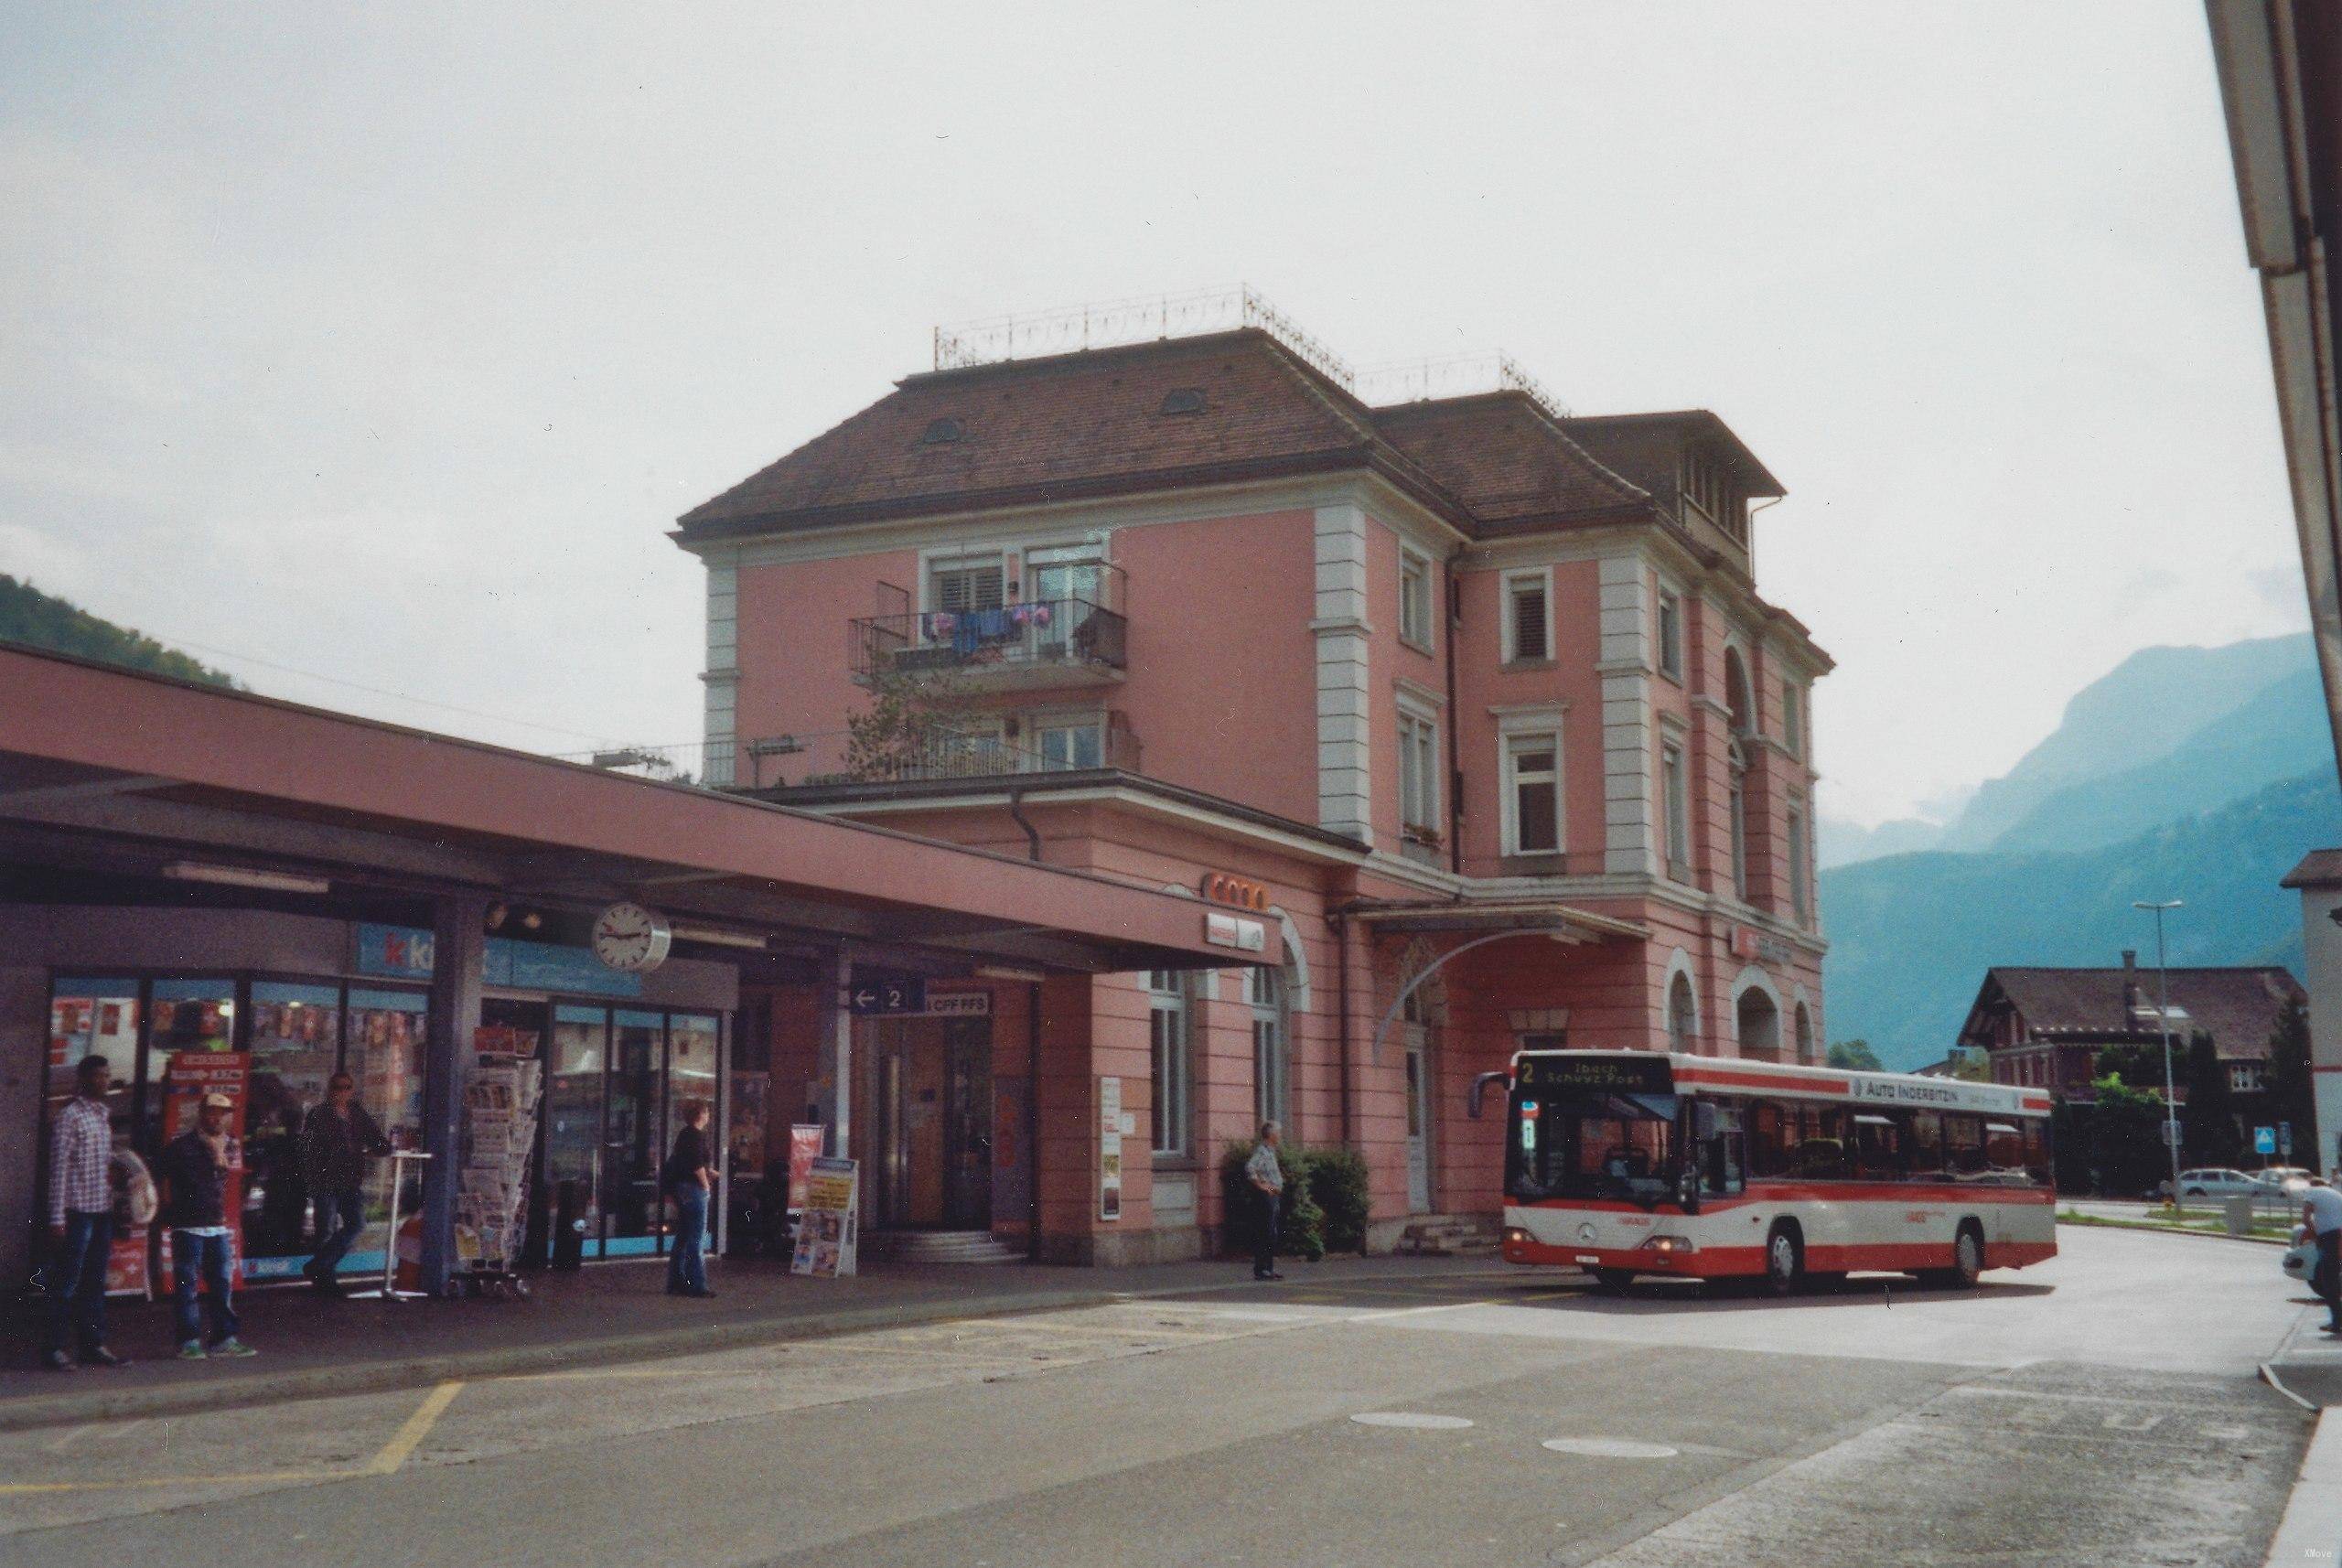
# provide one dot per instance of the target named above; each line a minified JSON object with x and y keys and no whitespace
{"x":34,"y":1411}
{"x":2089,"y":1222}
{"x":2311,"y":1531}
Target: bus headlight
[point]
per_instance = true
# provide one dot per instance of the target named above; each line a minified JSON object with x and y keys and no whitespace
{"x":1514,"y":1236}
{"x":1672,"y":1246}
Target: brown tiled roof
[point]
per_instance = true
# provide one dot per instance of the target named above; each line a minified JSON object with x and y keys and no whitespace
{"x":2236,"y":1006}
{"x":1066,"y":425}
{"x":2319,"y":869}
{"x":1597,"y":431}
{"x":1501,"y":456}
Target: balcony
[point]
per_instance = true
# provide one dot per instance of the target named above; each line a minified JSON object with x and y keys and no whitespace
{"x":837,"y":758}
{"x":1022,"y":646}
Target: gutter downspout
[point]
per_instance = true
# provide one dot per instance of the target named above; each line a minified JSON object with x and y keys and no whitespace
{"x":1455,"y":723}
{"x":1032,"y":1061}
{"x":1342,"y":1022}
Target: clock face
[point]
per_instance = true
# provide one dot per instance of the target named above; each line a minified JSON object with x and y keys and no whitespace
{"x":631,"y":939}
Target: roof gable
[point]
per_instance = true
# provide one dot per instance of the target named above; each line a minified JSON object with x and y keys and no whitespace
{"x":1499,"y":454}
{"x":2236,"y":1005}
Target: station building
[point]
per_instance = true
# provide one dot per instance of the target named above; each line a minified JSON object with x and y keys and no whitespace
{"x":1473,"y":701}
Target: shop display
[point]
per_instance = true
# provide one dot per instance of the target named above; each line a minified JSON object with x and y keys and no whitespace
{"x":826,"y":1231}
{"x":500,"y":1131}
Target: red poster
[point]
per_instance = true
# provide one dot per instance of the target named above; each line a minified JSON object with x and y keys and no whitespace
{"x":804,"y":1148}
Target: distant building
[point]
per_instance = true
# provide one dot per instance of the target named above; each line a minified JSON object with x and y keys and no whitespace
{"x":2045,"y":1027}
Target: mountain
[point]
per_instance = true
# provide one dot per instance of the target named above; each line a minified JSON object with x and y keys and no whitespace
{"x":1842,"y":842}
{"x":1911,"y":936}
{"x":43,"y":620}
{"x":2148,"y":708}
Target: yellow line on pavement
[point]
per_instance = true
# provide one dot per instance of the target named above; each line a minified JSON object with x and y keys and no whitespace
{"x":418,"y":1426}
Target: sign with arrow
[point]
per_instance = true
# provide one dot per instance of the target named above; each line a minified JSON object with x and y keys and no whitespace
{"x":883,"y":995}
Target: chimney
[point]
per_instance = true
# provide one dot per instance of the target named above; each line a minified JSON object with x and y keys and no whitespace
{"x":2129,"y":988}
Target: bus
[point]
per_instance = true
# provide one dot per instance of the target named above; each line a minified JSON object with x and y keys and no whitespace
{"x":1639,"y":1163}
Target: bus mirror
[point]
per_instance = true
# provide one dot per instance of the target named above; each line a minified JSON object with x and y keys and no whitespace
{"x":1704,"y":1120}
{"x":1479,"y":1086}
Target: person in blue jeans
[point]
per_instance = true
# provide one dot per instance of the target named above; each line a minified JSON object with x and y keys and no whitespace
{"x":195,"y":1167}
{"x":80,"y":1221}
{"x":337,"y":1141}
{"x":689,"y":1175}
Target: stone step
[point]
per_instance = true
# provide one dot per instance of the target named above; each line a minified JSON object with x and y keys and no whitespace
{"x":940,"y":1247}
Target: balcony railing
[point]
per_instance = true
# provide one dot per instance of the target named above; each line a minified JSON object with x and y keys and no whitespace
{"x":1043,"y":642}
{"x":833,"y":758}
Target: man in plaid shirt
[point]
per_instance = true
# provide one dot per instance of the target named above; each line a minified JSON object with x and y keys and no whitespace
{"x":81,"y":1218}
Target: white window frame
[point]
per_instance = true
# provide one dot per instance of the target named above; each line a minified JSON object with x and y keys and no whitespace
{"x":1037,"y":724}
{"x":1793,"y":716}
{"x":1508,"y":632}
{"x":934,"y":563}
{"x":1674,"y":790}
{"x":1270,"y":994}
{"x":1514,"y":737}
{"x":1416,"y":618}
{"x":1419,"y":741}
{"x":1170,"y":1032}
{"x":1670,"y":607}
{"x":1801,"y":845}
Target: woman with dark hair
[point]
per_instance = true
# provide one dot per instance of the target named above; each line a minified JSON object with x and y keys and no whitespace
{"x":689,"y":1174}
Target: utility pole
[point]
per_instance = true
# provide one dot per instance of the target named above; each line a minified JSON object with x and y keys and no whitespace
{"x":2162,"y":1026}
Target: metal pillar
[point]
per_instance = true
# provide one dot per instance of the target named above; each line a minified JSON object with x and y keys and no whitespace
{"x":837,"y":1023}
{"x":459,"y":951}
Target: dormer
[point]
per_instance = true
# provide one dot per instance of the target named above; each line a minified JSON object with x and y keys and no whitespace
{"x":1692,"y":464}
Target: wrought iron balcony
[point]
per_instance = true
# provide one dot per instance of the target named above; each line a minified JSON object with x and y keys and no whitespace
{"x":1022,"y":646}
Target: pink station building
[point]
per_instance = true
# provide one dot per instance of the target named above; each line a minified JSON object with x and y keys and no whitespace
{"x":1473,"y":701}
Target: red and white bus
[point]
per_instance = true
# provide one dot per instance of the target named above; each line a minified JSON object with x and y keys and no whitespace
{"x":1626,"y":1163}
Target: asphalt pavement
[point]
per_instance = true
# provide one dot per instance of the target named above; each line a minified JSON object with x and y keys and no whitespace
{"x":2099,"y":1410}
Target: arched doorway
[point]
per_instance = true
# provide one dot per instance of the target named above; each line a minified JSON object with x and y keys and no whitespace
{"x":1682,"y":1016}
{"x":1760,"y":1023}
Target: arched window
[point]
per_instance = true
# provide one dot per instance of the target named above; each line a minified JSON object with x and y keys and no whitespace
{"x":1737,"y":789}
{"x":1682,"y":1021}
{"x":1269,"y":991}
{"x":1804,"y":1034}
{"x":1760,"y":1025}
{"x":1735,"y":694}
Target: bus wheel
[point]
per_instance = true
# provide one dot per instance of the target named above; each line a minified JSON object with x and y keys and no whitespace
{"x":1967,"y":1261}
{"x":1612,"y":1281}
{"x":1784,"y":1260}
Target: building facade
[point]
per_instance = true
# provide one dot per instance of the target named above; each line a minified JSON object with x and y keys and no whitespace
{"x":1475,"y":702}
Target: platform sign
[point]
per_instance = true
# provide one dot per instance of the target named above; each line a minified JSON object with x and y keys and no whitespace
{"x":2264,"y":1140}
{"x":886,"y":996}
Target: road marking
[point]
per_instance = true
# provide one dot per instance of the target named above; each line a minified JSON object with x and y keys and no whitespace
{"x":418,"y":1426}
{"x":16,"y":1489}
{"x":1609,"y":1447}
{"x":1410,"y":1419}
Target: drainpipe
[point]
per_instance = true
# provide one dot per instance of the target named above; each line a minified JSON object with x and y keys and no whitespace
{"x":1032,"y":1061}
{"x":1342,"y":1023}
{"x":1455,"y":723}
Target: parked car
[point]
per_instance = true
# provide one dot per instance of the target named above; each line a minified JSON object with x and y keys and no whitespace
{"x":2213,"y":1181}
{"x":2301,"y":1258}
{"x":2287,"y":1178}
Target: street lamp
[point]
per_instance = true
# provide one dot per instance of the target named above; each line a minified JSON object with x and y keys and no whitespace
{"x":2162,"y":1025}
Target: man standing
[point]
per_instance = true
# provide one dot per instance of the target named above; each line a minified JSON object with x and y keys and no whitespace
{"x":80,"y":1221}
{"x":2322,"y":1212}
{"x":336,"y":1142}
{"x":1267,"y":1175}
{"x":196,"y":1164}
{"x":689,"y":1176}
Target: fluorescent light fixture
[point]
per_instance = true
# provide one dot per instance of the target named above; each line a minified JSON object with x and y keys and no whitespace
{"x":243,"y":876}
{"x":716,"y":936}
{"x":1002,"y":972}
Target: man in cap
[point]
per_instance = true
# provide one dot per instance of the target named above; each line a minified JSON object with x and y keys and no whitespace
{"x":195,"y":1167}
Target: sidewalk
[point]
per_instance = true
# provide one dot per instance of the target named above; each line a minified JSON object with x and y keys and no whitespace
{"x":311,"y":1348}
{"x":2308,"y":1365}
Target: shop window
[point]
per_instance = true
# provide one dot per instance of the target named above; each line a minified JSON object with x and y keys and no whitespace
{"x":93,"y":1018}
{"x":295,"y":1044}
{"x":184,"y":1015}
{"x":573,"y":1109}
{"x":384,"y":1050}
{"x":1167,"y":1040}
{"x":633,"y":1120}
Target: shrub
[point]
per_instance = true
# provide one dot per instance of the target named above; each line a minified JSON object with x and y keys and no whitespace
{"x":1324,"y":1208}
{"x":1337,"y":1182}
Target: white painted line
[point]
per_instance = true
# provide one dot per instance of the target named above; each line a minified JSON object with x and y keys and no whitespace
{"x":2311,"y":1534}
{"x":1410,"y":1419}
{"x":1609,"y":1447}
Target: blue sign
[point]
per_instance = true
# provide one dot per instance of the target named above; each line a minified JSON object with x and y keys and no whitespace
{"x":405,"y":952}
{"x":2264,"y":1140}
{"x":887,"y":993}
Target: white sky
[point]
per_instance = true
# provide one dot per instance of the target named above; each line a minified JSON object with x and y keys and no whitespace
{"x":388,"y":348}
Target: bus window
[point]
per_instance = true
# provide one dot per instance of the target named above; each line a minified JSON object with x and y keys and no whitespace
{"x":1878,"y":1154}
{"x":2004,"y":1150}
{"x":2036,"y":1151}
{"x":1570,"y":1143}
{"x":1822,"y":1143}
{"x":1963,"y":1143}
{"x":1768,"y":1148}
{"x":1724,"y":1162}
{"x":1925,"y":1145}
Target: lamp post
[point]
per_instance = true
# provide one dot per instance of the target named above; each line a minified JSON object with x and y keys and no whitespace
{"x":2162,"y":1026}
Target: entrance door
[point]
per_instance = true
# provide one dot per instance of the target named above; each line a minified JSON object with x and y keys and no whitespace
{"x":631,"y":1152}
{"x":573,"y":1109}
{"x":1418,"y":1123}
{"x":931,"y":1082}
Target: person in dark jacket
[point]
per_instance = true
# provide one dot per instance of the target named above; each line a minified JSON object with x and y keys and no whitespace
{"x":337,"y":1141}
{"x":195,"y":1168}
{"x":689,"y":1175}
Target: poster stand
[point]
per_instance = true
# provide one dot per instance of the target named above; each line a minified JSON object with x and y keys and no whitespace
{"x":390,"y":1288}
{"x":826,"y":1238}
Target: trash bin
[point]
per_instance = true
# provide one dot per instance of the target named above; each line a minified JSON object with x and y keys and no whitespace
{"x":2238,"y":1211}
{"x":569,"y":1225}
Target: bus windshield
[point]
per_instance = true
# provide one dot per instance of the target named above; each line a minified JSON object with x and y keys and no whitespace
{"x":1590,"y":1143}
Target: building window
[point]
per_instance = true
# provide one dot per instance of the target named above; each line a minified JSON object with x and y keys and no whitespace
{"x":1166,"y":1027}
{"x":1792,"y":719}
{"x":1414,"y":599}
{"x":1805,"y":1052}
{"x":1679,"y":812}
{"x":1670,"y":635}
{"x":1738,"y":804}
{"x":1064,"y":743}
{"x":1709,"y":489}
{"x":965,"y":586}
{"x":1682,"y":1016}
{"x":1418,"y":776}
{"x":1532,"y":793}
{"x":1800,"y":888}
{"x":1527,"y":617}
{"x":1267,"y":992}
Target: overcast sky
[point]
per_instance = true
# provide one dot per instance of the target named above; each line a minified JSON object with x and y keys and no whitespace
{"x":388,"y":346}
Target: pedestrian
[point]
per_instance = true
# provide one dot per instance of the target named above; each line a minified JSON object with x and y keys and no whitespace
{"x":195,"y":1167}
{"x":336,"y":1142}
{"x":80,"y":1221}
{"x":689,"y":1176}
{"x":2322,"y":1212}
{"x":1266,"y":1174}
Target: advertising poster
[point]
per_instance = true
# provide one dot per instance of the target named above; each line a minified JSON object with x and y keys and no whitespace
{"x":191,"y":1075}
{"x":825,"y":1232}
{"x":1109,"y":1148}
{"x":804,"y":1148}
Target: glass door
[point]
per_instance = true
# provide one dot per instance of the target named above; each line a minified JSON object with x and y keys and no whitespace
{"x":1062,"y":591}
{"x":572,"y":1111}
{"x":184,"y":1015}
{"x":296,"y":1043}
{"x":634,"y":1116}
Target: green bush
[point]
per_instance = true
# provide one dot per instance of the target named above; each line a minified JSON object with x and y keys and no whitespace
{"x":1325,"y":1201}
{"x":1337,"y":1184}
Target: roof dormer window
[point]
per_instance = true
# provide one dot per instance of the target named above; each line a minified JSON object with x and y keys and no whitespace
{"x":1183,"y":399}
{"x":942,"y":433}
{"x":1709,"y":489}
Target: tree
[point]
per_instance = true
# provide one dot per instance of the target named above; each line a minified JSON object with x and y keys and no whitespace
{"x":2207,"y":1119}
{"x":1854,"y":1055}
{"x":2126,"y":1137}
{"x":909,"y":728}
{"x":1972,"y":1065}
{"x":2288,"y":1081}
{"x":2137,"y":1062}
